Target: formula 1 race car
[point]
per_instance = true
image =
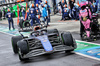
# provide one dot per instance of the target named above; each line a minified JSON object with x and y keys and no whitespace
{"x":42,"y":41}
{"x":94,"y":31}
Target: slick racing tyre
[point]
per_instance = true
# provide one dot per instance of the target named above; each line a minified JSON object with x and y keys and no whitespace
{"x":23,"y":46}
{"x":20,"y":55}
{"x":67,"y":40}
{"x":14,"y":41}
{"x":22,"y":50}
{"x":23,"y":24}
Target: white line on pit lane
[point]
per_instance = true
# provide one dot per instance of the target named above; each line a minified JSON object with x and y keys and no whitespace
{"x":74,"y":52}
{"x":58,"y":23}
{"x":88,"y":42}
{"x":87,"y":56}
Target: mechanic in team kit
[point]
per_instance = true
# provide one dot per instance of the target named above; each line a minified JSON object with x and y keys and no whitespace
{"x":48,"y":11}
{"x":27,"y":17}
{"x":0,"y":14}
{"x":38,"y":11}
{"x":33,"y":14}
{"x":44,"y":14}
{"x":65,"y":12}
{"x":71,"y":4}
{"x":9,"y":15}
{"x":23,"y":13}
{"x":94,"y":6}
{"x":62,"y":3}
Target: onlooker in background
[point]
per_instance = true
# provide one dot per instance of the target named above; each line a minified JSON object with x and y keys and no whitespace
{"x":33,"y":14}
{"x":59,"y":9}
{"x":38,"y":11}
{"x":37,"y":2}
{"x":44,"y":14}
{"x":65,"y":12}
{"x":27,"y":17}
{"x":0,"y":14}
{"x":23,"y":13}
{"x":71,"y":4}
{"x":37,"y":8}
{"x":54,"y":6}
{"x":9,"y":15}
{"x":48,"y":10}
{"x":4,"y":13}
{"x":20,"y":9}
{"x":89,"y":6}
{"x":62,"y":3}
{"x":94,"y":6}
{"x":75,"y":11}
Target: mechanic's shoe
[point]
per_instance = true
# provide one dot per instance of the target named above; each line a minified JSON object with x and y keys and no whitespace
{"x":64,"y":19}
{"x":9,"y":30}
{"x":61,"y":19}
{"x":14,"y":29}
{"x":48,"y":25}
{"x":89,"y":39}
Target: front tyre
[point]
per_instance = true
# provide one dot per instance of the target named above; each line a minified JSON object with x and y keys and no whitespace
{"x":14,"y":41}
{"x":22,"y":49}
{"x":21,"y":55}
{"x":67,"y":40}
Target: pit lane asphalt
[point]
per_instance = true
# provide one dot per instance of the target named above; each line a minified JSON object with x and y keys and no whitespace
{"x":8,"y":58}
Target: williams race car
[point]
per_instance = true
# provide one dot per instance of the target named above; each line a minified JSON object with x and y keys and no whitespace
{"x":42,"y":41}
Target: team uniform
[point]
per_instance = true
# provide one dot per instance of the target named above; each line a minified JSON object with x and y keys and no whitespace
{"x":9,"y":15}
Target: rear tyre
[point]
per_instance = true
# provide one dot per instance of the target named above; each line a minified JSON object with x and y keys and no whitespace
{"x":22,"y":50}
{"x":67,"y":40}
{"x":14,"y":41}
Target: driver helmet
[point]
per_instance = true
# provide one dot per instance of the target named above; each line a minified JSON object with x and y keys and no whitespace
{"x":82,"y":4}
{"x":36,"y":28}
